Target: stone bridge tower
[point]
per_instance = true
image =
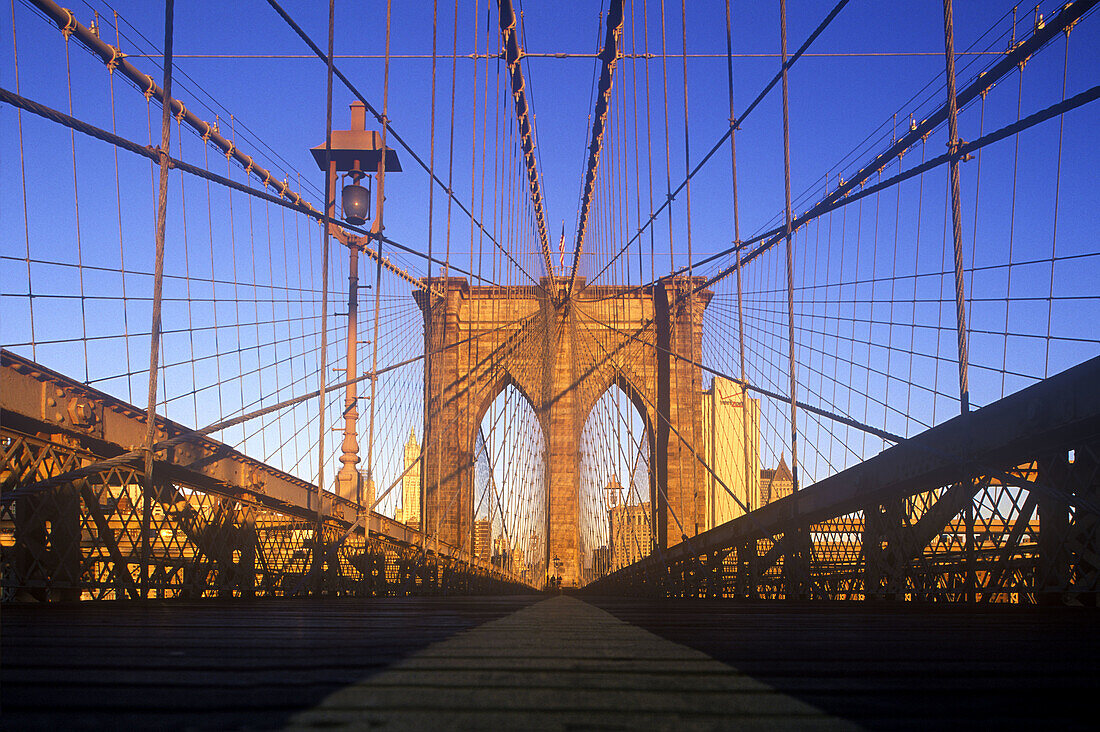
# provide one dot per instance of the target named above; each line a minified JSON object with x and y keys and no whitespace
{"x":562,"y":358}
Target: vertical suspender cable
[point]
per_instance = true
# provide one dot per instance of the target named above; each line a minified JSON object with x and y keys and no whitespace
{"x":956,"y":206}
{"x":526,"y":119}
{"x":610,"y":57}
{"x":428,"y":319}
{"x":158,"y":286}
{"x":23,"y":178}
{"x":790,"y":259}
{"x":379,"y":228}
{"x":330,"y":212}
{"x":749,"y":502}
{"x":691,"y":272}
{"x":1057,"y":198}
{"x":790,"y":254}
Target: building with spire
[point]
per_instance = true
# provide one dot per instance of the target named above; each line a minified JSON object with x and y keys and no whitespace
{"x":409,"y":511}
{"x":368,"y":490}
{"x":777,"y":483}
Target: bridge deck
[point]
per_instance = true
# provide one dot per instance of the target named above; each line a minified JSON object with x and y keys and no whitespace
{"x":542,"y":663}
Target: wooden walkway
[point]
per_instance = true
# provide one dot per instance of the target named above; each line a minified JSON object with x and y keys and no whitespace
{"x":544,"y":663}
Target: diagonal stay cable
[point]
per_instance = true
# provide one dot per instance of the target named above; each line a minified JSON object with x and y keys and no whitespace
{"x":526,"y":119}
{"x":733,"y":125}
{"x":610,"y":56}
{"x":773,"y":236}
{"x":843,"y":194}
{"x":192,"y":435}
{"x":843,"y":419}
{"x":400,"y":140}
{"x":152,"y":154}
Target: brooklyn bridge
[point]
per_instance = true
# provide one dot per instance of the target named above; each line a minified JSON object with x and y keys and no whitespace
{"x":620,"y":364}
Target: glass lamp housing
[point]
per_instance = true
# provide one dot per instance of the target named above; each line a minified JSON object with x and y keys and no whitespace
{"x":356,"y":204}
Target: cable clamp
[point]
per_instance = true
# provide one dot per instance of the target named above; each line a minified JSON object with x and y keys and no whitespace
{"x":162,"y":155}
{"x":229,"y":151}
{"x":180,"y":114}
{"x":116,"y":57}
{"x":206,"y":134}
{"x":149,"y":90}
{"x":965,"y":157}
{"x":70,"y":24}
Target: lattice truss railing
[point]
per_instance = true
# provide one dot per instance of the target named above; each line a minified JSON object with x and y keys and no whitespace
{"x":1001,"y":506}
{"x":982,"y":540}
{"x":106,"y":536}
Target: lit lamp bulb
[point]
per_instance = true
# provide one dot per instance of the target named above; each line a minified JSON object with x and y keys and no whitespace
{"x":356,"y":200}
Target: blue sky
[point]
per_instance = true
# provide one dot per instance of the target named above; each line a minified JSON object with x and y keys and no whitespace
{"x":842,"y":105}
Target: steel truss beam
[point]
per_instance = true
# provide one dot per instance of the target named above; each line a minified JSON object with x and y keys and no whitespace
{"x":66,"y":418}
{"x":968,"y":454}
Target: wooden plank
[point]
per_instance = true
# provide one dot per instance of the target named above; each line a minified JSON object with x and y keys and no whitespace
{"x":516,"y":662}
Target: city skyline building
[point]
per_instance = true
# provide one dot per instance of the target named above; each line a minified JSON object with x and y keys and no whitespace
{"x":483,"y":539}
{"x":369,"y":490}
{"x":631,"y":533}
{"x":776,"y":483}
{"x":731,"y":437}
{"x":409,"y":511}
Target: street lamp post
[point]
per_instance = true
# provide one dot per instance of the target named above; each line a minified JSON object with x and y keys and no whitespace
{"x":357,"y":153}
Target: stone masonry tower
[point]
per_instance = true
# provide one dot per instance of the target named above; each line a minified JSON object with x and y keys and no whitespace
{"x":562,"y":358}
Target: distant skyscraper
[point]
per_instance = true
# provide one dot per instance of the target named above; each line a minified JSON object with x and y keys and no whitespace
{"x":601,"y":561}
{"x":631,"y":533}
{"x":483,"y":543}
{"x":368,"y":491}
{"x":777,"y":483}
{"x":731,"y":437}
{"x":409,"y":512}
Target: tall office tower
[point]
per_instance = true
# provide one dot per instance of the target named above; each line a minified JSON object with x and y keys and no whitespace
{"x":368,"y":490}
{"x":731,"y":447}
{"x":409,"y":512}
{"x":631,"y":533}
{"x":483,"y":543}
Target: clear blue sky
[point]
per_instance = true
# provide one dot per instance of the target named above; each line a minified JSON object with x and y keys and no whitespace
{"x":841,"y":102}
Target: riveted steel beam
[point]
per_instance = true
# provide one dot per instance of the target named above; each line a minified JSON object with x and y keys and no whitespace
{"x":1056,"y":413}
{"x":38,"y":400}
